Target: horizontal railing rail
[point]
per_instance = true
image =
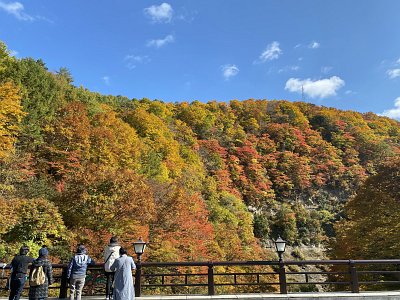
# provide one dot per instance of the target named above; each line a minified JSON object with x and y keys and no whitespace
{"x":241,"y":276}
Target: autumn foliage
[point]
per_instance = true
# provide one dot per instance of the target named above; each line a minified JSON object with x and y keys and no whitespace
{"x":370,"y":228}
{"x":200,"y":181}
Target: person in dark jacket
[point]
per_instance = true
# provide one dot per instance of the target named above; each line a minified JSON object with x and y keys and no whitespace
{"x":77,"y":272}
{"x":41,"y":292}
{"x":19,"y":267}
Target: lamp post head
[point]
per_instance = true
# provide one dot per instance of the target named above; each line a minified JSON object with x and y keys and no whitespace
{"x":280,"y":246}
{"x":139,"y":246}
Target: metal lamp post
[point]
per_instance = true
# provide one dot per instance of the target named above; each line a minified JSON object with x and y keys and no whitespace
{"x":139,"y":246}
{"x":280,"y":246}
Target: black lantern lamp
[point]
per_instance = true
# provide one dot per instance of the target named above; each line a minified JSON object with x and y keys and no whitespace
{"x":139,"y":246}
{"x":280,"y":246}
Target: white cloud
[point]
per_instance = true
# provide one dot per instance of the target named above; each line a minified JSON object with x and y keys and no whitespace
{"x":133,"y":60}
{"x":106,"y":80}
{"x":186,"y":15}
{"x":288,"y":69}
{"x":326,"y":69}
{"x":271,"y":52}
{"x":160,"y":14}
{"x":229,"y":71}
{"x":17,"y":10}
{"x":315,"y":89}
{"x":161,"y":42}
{"x":393,"y":73}
{"x":314,"y":45}
{"x":297,"y":46}
{"x":294,"y":68}
{"x":394,"y":112}
{"x":398,"y":61}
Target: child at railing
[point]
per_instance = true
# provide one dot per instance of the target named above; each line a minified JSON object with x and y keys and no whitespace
{"x":77,"y":272}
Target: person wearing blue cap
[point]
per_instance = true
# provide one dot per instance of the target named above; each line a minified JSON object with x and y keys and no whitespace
{"x":77,"y":272}
{"x":41,"y":291}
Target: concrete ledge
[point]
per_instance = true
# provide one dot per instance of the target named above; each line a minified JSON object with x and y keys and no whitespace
{"x":392,"y":295}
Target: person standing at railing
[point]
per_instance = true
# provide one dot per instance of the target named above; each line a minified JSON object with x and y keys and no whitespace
{"x":19,"y":267}
{"x":40,"y":276}
{"x":77,"y":272}
{"x":111,"y":253}
{"x":123,"y":280}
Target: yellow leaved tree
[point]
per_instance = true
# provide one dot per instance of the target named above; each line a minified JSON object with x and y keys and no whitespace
{"x":11,"y":115}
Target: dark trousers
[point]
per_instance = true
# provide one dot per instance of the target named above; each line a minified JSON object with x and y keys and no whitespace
{"x":16,"y":287}
{"x":109,"y":284}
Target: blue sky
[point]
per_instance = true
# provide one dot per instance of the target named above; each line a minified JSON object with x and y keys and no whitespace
{"x":341,"y":53}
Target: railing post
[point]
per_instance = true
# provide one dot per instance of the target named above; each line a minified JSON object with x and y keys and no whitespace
{"x":282,"y":278}
{"x":63,"y":284}
{"x":211,"y":279}
{"x":138,"y":275}
{"x":305,"y":273}
{"x":354,"y":278}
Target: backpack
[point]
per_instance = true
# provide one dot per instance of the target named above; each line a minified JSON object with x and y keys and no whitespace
{"x":38,"y":277}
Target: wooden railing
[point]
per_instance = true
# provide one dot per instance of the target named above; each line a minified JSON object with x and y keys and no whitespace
{"x":244,"y":277}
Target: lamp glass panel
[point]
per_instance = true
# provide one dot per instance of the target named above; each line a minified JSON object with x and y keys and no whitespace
{"x":280,"y":246}
{"x":139,"y":247}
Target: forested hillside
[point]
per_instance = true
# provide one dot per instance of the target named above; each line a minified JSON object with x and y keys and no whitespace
{"x":371,"y":227}
{"x":200,"y":181}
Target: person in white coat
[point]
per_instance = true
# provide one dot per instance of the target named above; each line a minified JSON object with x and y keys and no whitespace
{"x":111,"y":253}
{"x":123,"y":279}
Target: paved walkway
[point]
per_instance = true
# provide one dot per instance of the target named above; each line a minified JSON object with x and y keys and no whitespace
{"x":393,"y":295}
